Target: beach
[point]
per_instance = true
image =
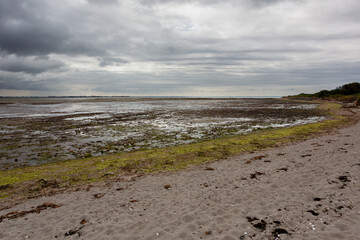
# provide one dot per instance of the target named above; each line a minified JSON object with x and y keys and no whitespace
{"x":305,"y":190}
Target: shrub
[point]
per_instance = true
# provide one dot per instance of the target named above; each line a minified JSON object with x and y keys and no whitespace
{"x":351,"y":88}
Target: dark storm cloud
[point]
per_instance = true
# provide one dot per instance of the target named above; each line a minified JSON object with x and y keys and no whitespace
{"x":31,"y":65}
{"x":27,"y":28}
{"x":11,"y":81}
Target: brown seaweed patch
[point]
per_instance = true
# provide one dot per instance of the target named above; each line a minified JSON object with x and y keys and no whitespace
{"x":255,"y":174}
{"x":255,"y":158}
{"x":38,"y":209}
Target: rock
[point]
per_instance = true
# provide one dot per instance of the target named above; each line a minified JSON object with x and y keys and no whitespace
{"x":313,"y":212}
{"x":98,"y":195}
{"x":278,"y":231}
{"x":210,"y":169}
{"x":168,"y":186}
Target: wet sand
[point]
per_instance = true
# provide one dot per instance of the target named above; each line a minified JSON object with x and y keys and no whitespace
{"x":55,"y":130}
{"x":307,"y":190}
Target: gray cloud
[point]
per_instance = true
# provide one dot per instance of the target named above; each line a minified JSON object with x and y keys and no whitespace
{"x":27,"y":29}
{"x":100,"y":2}
{"x":103,"y":1}
{"x":248,"y":3}
{"x":171,"y":46}
{"x":31,"y":65}
{"x":12,"y":81}
{"x":106,"y":61}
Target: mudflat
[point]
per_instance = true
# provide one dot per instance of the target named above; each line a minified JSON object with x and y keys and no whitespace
{"x":307,"y":190}
{"x":35,"y":131}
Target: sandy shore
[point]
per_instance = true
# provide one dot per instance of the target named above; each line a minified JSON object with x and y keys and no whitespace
{"x":308,"y":190}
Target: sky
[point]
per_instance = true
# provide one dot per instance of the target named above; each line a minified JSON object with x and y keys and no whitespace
{"x":177,"y":47}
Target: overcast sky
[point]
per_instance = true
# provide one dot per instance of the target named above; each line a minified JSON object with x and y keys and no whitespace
{"x":177,"y":47}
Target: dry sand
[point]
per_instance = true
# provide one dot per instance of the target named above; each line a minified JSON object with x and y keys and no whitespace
{"x":308,"y":190}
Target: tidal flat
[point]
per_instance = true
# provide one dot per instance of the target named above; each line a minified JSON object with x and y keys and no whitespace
{"x":42,"y":130}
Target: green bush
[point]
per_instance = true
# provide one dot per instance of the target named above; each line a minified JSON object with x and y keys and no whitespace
{"x":338,"y":93}
{"x":351,"y":88}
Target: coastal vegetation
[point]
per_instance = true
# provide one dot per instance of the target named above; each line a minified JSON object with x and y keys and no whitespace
{"x":346,"y":93}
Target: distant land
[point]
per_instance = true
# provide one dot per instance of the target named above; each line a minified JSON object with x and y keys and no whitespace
{"x":346,"y":93}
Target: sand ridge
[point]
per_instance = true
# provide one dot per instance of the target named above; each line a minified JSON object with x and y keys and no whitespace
{"x":308,"y":190}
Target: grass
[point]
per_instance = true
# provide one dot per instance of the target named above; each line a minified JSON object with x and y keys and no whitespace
{"x":28,"y":181}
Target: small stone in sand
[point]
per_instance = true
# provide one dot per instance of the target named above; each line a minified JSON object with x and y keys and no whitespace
{"x":210,"y":169}
{"x":313,"y":212}
{"x":98,"y":195}
{"x":167,"y":186}
{"x":278,"y":231}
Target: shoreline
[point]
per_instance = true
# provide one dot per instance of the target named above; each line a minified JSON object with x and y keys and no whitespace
{"x":306,"y":190}
{"x":19,"y":184}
